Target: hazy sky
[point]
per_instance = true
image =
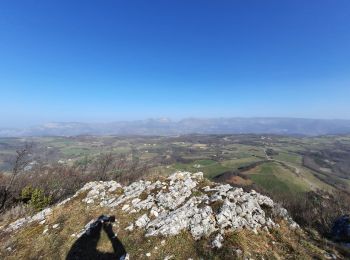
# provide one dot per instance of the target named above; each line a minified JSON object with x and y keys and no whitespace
{"x":119,"y":59}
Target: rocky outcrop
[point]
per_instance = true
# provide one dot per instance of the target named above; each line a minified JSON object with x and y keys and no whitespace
{"x":182,"y":202}
{"x":39,"y":217}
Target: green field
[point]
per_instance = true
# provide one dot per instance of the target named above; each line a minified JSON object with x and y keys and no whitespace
{"x":210,"y":168}
{"x":210,"y":154}
{"x":273,"y":178}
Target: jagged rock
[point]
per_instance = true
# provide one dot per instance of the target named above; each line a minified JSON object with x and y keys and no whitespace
{"x":181,"y":185}
{"x":142,"y":221}
{"x":180,"y":204}
{"x":144,"y":204}
{"x":283,"y":213}
{"x":202,"y":223}
{"x":100,"y":191}
{"x":125,"y":207}
{"x":39,"y":217}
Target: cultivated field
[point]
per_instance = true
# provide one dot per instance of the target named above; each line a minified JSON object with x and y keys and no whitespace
{"x":272,"y":163}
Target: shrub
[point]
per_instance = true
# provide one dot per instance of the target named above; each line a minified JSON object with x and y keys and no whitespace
{"x":39,"y":201}
{"x":26,"y":194}
{"x":36,"y":198}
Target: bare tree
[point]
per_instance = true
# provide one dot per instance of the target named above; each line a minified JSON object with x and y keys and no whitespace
{"x":103,"y":165}
{"x":20,"y":162}
{"x":84,"y":164}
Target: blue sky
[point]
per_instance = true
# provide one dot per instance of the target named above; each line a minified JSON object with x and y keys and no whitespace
{"x":124,"y":60}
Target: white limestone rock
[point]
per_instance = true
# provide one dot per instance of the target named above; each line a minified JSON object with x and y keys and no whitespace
{"x":142,"y":221}
{"x":217,"y":242}
{"x":38,"y":217}
{"x":178,"y":204}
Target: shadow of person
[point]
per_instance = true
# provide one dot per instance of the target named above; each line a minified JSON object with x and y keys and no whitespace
{"x":86,"y":246}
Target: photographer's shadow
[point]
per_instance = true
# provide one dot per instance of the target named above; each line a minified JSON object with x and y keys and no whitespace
{"x":86,"y":246}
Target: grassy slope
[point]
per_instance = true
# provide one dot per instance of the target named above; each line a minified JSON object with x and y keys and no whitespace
{"x":289,"y":157}
{"x":274,"y":178}
{"x":209,"y":167}
{"x":235,"y":164}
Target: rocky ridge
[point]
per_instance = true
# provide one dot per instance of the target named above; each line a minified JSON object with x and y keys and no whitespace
{"x":182,"y":202}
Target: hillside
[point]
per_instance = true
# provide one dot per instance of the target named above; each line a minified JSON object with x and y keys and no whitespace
{"x":298,"y":164}
{"x":184,"y":216}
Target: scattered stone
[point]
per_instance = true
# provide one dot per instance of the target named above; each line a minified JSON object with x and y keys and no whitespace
{"x":217,"y":242}
{"x":239,"y":252}
{"x":55,"y":226}
{"x":125,"y":207}
{"x":45,"y":230}
{"x":130,"y":227}
{"x":148,"y":254}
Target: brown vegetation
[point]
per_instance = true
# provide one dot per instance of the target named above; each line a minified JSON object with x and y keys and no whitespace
{"x":8,"y":183}
{"x":316,"y":210}
{"x":44,"y":185}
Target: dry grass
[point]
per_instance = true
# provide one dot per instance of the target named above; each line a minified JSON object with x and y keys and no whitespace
{"x":14,"y":213}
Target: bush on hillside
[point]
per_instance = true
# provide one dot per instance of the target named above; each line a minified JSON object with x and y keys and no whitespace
{"x":36,"y":198}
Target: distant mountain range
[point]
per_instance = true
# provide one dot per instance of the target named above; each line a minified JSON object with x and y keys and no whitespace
{"x":283,"y":126}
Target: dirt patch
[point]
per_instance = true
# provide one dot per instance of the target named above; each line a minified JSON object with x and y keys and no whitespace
{"x":237,"y":180}
{"x":233,"y":178}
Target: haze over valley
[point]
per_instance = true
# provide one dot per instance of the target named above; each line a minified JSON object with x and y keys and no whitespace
{"x":164,"y":127}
